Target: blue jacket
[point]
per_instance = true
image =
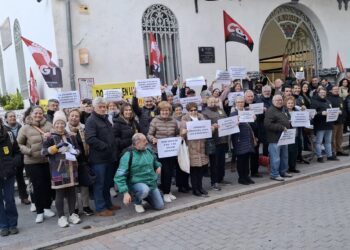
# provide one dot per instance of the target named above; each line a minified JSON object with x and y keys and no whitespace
{"x":243,"y":142}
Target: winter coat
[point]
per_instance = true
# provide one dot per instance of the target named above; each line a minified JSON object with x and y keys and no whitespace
{"x":343,"y":92}
{"x":99,"y":135}
{"x":243,"y":142}
{"x":49,"y":116}
{"x":142,"y":170}
{"x":123,"y":132}
{"x":196,"y":148}
{"x":320,"y":120}
{"x":275,"y":122}
{"x":214,"y":114}
{"x":14,"y":129}
{"x":10,"y":157}
{"x":337,"y":102}
{"x":162,"y":128}
{"x":30,"y":140}
{"x":144,"y":114}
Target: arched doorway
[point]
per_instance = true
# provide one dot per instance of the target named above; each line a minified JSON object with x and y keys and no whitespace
{"x":289,"y":38}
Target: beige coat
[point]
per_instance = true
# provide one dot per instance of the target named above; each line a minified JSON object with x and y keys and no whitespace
{"x":31,"y":140}
{"x":196,"y":148}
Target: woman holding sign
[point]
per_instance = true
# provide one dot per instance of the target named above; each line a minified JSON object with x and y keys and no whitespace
{"x":164,"y":126}
{"x":196,"y":148}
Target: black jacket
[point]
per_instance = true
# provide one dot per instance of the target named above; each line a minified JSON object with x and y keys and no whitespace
{"x":145,"y":115}
{"x":337,"y":102}
{"x":320,"y":120}
{"x":99,"y":135}
{"x":275,"y":121}
{"x":123,"y":133}
{"x":243,"y":142}
{"x":49,"y":116}
{"x":10,"y":157}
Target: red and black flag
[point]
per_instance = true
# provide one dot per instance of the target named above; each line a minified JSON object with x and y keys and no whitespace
{"x":236,"y":33}
{"x":156,"y":58}
{"x":340,"y":64}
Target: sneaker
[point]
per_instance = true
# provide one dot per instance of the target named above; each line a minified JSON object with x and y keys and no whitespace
{"x":74,"y":219}
{"x":4,"y":232}
{"x":88,"y":211}
{"x":286,"y":175}
{"x":332,"y":158}
{"x":320,"y":160}
{"x":48,"y":213}
{"x":105,"y":213}
{"x":167,"y":198}
{"x":33,"y":208}
{"x":25,"y":201}
{"x":216,"y":187}
{"x":276,"y":178}
{"x":13,"y":230}
{"x":139,"y":208}
{"x":63,"y":222}
{"x":172,"y":197}
{"x":39,"y":218}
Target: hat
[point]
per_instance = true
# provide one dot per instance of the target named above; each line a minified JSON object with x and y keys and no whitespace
{"x":59,"y":116}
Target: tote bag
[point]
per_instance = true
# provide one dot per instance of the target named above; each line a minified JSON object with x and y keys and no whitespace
{"x":184,"y":157}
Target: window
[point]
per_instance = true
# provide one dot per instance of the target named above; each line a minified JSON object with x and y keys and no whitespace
{"x":2,"y":75}
{"x":162,"y":22}
{"x":23,"y":84}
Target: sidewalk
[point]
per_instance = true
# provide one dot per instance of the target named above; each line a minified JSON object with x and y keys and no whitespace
{"x":48,"y":235}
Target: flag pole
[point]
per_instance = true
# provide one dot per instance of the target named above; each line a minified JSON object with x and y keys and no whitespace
{"x":226,"y":55}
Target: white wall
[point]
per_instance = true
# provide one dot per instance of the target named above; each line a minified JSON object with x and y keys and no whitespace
{"x":36,"y":24}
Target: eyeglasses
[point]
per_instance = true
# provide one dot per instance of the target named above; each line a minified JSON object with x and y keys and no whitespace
{"x":192,"y":110}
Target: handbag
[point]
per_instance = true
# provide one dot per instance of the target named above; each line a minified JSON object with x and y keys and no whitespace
{"x":184,"y":157}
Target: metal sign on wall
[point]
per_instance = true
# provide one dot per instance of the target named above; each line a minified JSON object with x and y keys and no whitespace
{"x":6,"y":35}
{"x":206,"y":54}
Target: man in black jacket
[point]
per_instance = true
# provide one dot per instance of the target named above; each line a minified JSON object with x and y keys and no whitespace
{"x":52,"y":106}
{"x":276,"y":121}
{"x":102,"y":156}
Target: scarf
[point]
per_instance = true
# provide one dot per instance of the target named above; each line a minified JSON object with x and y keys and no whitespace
{"x":79,"y":129}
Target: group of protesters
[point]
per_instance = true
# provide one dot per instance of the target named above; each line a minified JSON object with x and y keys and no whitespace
{"x":106,"y":145}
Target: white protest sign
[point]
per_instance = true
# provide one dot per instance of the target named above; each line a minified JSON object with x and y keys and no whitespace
{"x":232,"y":97}
{"x":113,"y":95}
{"x":287,"y":137}
{"x":198,"y":130}
{"x":300,"y":75}
{"x":238,"y":72}
{"x":69,"y":99}
{"x":186,"y":100}
{"x":258,"y":108}
{"x":332,"y":114}
{"x":147,"y":87}
{"x":176,"y":99}
{"x":228,"y":126}
{"x":246,"y":116}
{"x":300,"y":119}
{"x":312,"y":113}
{"x":168,"y":147}
{"x":223,"y":77}
{"x":195,"y":81}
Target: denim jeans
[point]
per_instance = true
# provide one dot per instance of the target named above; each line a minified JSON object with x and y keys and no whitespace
{"x":8,"y":210}
{"x":278,"y":159}
{"x":104,"y":179}
{"x":327,"y":136}
{"x":142,"y":192}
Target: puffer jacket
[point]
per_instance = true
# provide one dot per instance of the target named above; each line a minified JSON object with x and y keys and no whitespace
{"x":123,"y":132}
{"x":275,"y":122}
{"x":243,"y":142}
{"x":214,"y":114}
{"x":196,"y":148}
{"x":162,"y":128}
{"x":30,"y":140}
{"x":320,"y":120}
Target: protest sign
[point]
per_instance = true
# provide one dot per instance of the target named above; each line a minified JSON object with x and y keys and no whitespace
{"x":195,"y":81}
{"x":186,"y":100}
{"x":198,"y":129}
{"x":168,"y":147}
{"x":258,"y":108}
{"x":228,"y":126}
{"x":300,"y":75}
{"x":246,"y":116}
{"x":223,"y":77}
{"x":287,"y":137}
{"x":332,"y":114}
{"x":312,"y":113}
{"x":300,"y":119}
{"x":85,"y":87}
{"x":238,"y":72}
{"x":69,"y":99}
{"x":147,"y":87}
{"x":113,"y":95}
{"x":232,"y":97}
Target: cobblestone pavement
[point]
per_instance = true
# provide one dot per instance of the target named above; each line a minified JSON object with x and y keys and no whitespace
{"x":36,"y":235}
{"x":309,"y":214}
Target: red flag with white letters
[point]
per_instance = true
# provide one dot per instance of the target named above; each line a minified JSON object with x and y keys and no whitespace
{"x":33,"y":91}
{"x":156,"y":57}
{"x":340,"y":64}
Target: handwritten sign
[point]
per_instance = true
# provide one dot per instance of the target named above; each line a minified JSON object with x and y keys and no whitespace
{"x":228,"y":126}
{"x":332,"y":114}
{"x":300,"y":119}
{"x":168,"y":147}
{"x":312,"y":113}
{"x":246,"y":116}
{"x":300,"y":75}
{"x":238,"y":72}
{"x":69,"y":99}
{"x":258,"y":108}
{"x":197,"y":130}
{"x":223,"y":77}
{"x":287,"y":137}
{"x":113,"y":95}
{"x":186,"y":100}
{"x":147,"y":87}
{"x":195,"y":81}
{"x":232,"y":97}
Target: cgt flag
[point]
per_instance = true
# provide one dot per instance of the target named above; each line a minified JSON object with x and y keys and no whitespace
{"x":51,"y":73}
{"x":156,"y":58}
{"x":340,"y":64}
{"x":236,"y":33}
{"x":285,"y":66}
{"x":33,"y":91}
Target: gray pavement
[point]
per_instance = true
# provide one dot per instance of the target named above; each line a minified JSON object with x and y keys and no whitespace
{"x":309,"y":214}
{"x":48,"y":234}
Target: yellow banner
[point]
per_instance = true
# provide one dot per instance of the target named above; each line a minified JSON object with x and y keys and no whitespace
{"x":44,"y":103}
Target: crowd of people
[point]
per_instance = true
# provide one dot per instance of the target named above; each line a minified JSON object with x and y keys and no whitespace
{"x":113,"y":145}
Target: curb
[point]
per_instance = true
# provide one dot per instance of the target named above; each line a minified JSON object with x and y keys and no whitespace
{"x":182,"y":208}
